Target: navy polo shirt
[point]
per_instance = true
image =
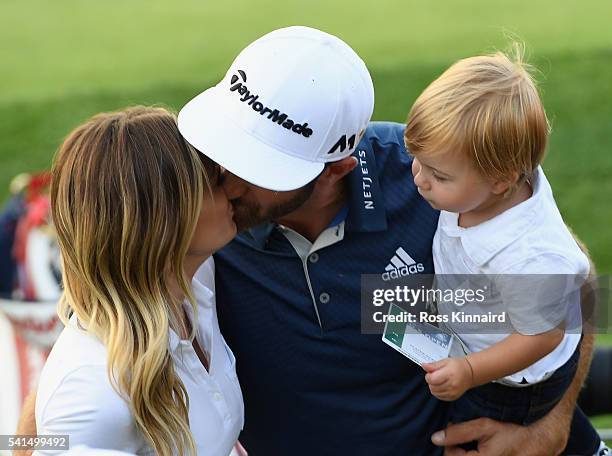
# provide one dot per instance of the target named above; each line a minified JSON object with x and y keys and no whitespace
{"x":313,"y":384}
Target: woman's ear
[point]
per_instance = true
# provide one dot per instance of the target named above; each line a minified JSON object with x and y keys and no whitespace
{"x":335,"y":171}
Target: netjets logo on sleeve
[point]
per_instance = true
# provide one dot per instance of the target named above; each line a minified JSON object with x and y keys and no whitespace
{"x":401,"y":265}
{"x":238,"y":85}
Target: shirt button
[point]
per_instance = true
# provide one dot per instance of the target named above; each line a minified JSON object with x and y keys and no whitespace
{"x":217,"y":396}
{"x":314,"y":258}
{"x":324,"y":298}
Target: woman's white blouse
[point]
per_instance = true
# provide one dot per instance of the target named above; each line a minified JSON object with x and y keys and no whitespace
{"x":76,"y":398}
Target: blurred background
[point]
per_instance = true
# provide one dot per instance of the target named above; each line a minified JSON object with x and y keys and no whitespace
{"x":64,"y":60}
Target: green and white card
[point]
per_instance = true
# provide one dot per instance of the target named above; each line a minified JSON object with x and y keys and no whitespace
{"x":420,"y":342}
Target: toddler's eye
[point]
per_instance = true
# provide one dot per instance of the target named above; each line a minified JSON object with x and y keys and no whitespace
{"x":439,"y":178}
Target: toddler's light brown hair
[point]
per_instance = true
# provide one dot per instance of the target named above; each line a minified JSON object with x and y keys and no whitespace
{"x":486,"y":108}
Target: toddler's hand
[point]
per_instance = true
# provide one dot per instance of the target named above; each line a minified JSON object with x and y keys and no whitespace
{"x":449,"y":378}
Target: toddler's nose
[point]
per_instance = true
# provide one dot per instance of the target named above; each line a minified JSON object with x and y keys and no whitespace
{"x":419,"y":178}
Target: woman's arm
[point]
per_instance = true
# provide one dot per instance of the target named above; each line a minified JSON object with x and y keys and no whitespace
{"x":86,"y":407}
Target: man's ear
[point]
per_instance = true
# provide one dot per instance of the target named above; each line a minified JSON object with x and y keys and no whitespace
{"x":335,"y":171}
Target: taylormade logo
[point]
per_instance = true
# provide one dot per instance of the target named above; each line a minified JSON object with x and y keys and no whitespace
{"x":238,"y":84}
{"x":401,"y":265}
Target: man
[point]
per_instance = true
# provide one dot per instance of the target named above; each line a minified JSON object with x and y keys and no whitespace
{"x":289,"y":123}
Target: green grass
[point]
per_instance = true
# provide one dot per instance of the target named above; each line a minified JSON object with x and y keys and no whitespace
{"x":65,"y":60}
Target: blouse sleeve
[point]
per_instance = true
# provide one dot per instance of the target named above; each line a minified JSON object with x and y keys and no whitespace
{"x":85,"y":407}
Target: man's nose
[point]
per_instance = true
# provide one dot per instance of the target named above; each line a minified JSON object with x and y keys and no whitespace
{"x":233,"y":186}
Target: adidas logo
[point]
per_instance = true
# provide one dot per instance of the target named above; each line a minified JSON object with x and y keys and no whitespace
{"x":401,"y":265}
{"x":238,"y":84}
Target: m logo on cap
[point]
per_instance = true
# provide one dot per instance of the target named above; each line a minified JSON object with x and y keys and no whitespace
{"x":238,"y":84}
{"x":343,"y":142}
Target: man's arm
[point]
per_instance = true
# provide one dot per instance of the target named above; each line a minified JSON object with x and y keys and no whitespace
{"x":561,"y":416}
{"x":548,"y":435}
{"x":27,"y":421}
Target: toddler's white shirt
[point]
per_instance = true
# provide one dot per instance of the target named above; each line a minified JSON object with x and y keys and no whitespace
{"x":528,"y":239}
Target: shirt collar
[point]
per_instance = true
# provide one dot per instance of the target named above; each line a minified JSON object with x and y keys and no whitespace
{"x":367,"y":211}
{"x":484,"y":241}
{"x":340,"y":217}
{"x":173,"y":340}
{"x":258,"y":236}
{"x":205,"y":299}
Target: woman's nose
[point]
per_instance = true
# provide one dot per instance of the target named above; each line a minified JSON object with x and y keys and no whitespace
{"x":233,"y":186}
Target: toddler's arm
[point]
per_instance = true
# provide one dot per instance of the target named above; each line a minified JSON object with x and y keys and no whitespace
{"x":449,"y":378}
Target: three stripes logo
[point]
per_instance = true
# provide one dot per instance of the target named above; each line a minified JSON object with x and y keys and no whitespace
{"x":401,"y":265}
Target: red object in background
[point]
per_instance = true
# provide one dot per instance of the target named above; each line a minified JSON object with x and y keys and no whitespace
{"x":36,"y":215}
{"x":36,"y":323}
{"x":38,"y":185}
{"x":33,"y":329}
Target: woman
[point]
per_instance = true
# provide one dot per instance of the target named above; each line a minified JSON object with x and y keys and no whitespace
{"x":139,"y":367}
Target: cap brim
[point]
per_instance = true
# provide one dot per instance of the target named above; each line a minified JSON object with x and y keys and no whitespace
{"x":203,"y":125}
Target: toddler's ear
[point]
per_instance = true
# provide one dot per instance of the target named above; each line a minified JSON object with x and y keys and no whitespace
{"x":500,"y":187}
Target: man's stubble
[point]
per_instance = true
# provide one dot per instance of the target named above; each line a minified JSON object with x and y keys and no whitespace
{"x":248,"y":214}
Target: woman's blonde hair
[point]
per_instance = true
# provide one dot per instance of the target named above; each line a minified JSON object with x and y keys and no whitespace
{"x":126,"y":193}
{"x":486,"y":108}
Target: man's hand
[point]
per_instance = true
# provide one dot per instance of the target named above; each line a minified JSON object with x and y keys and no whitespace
{"x":547,"y":436}
{"x":500,"y":439}
{"x":449,"y":378}
{"x":494,"y":439}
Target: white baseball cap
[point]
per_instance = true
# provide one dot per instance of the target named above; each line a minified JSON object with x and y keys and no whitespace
{"x":293,"y":100}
